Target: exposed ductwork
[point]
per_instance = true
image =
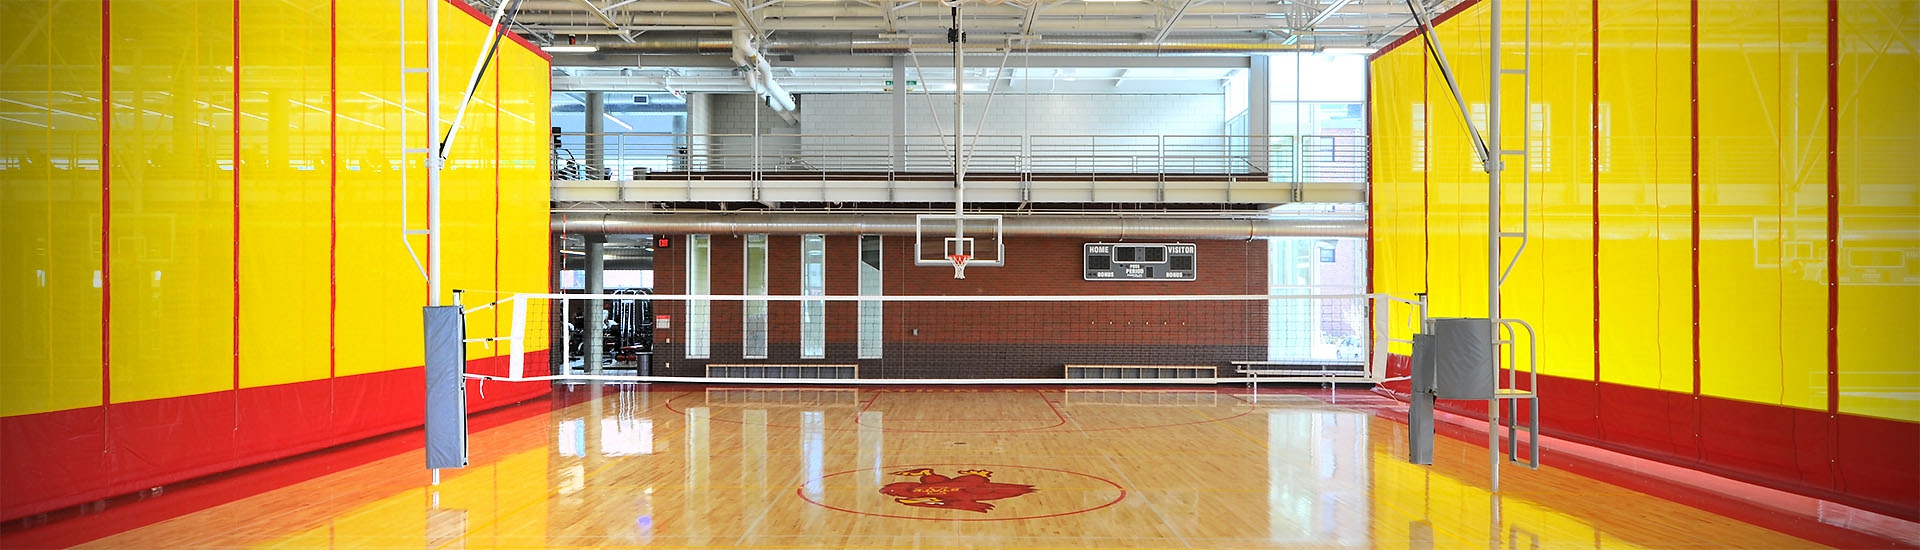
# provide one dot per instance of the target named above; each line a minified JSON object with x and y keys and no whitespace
{"x":792,"y":43}
{"x":759,"y":76}
{"x":1083,"y":226}
{"x":1175,"y":27}
{"x":644,"y":8}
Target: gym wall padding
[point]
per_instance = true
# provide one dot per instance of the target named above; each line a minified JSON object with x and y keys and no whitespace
{"x":49,"y":297}
{"x":231,"y":288}
{"x":1723,"y":265}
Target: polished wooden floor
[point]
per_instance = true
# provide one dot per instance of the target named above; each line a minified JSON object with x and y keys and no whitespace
{"x":699,"y":467}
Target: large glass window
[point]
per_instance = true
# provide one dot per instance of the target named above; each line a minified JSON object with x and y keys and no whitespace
{"x":699,"y":251}
{"x":813,"y":282}
{"x":1317,"y":116}
{"x":870,"y":312}
{"x":640,"y":133}
{"x":1316,"y":330}
{"x":1317,"y":77}
{"x":754,"y":342}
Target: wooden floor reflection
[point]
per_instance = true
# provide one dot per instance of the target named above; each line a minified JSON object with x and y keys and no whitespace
{"x":690,"y":466}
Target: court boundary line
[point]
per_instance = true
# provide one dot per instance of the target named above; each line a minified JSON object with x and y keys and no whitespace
{"x":1250,"y":407}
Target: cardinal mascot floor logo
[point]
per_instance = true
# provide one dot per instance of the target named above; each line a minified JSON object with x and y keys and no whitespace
{"x":961,"y":491}
{"x":970,"y":490}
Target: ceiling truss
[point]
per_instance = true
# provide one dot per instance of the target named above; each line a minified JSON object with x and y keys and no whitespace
{"x":806,"y":41}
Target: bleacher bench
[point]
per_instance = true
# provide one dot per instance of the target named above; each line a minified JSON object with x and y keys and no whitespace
{"x":1283,"y":371}
{"x":774,"y":370}
{"x":1123,"y":372}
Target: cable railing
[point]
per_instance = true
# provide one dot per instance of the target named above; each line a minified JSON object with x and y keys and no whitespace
{"x":1069,"y":168}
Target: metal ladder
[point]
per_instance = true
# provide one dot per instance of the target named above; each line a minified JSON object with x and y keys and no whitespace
{"x":1507,"y":394}
{"x":1510,"y":394}
{"x":406,"y":165}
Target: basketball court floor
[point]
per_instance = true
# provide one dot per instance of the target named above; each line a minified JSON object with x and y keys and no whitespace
{"x":684,"y":466}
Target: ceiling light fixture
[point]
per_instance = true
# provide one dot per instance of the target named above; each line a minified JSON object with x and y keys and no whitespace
{"x":570,"y":48}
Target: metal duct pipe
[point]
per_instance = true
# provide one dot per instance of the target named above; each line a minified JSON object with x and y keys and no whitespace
{"x":573,"y":9}
{"x":1088,"y":226}
{"x":786,"y":43}
{"x":989,"y":31}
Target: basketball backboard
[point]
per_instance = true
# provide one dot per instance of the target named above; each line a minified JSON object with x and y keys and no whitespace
{"x":937,"y":238}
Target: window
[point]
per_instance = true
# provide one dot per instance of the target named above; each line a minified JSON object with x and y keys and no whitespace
{"x":699,"y":250}
{"x":1317,"y":77}
{"x":1316,"y":330}
{"x":813,"y":282}
{"x":1317,"y":117}
{"x":754,"y":342}
{"x":870,"y":312}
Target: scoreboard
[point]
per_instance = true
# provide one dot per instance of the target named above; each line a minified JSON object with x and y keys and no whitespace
{"x":1139,"y":261}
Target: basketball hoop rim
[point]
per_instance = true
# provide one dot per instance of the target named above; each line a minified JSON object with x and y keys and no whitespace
{"x":959,"y":264}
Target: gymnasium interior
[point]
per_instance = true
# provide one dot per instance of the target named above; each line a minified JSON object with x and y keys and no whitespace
{"x":801,"y":273}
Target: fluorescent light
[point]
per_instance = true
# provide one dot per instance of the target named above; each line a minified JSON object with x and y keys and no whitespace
{"x":615,"y":120}
{"x":1095,"y":1}
{"x":570,"y":48}
{"x":1361,"y":51}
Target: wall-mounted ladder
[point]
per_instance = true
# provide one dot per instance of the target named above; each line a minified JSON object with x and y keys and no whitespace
{"x":1508,"y":394}
{"x":432,"y":113}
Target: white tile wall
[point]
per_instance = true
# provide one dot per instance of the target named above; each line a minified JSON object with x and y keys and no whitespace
{"x":1019,"y":114}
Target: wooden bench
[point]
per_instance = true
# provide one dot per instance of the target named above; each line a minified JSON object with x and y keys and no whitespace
{"x":782,"y":370}
{"x":1121,"y":372}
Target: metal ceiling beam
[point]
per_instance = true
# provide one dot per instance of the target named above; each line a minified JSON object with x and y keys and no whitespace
{"x":795,"y":43}
{"x":874,"y":85}
{"x":1171,"y":19}
{"x":1355,"y":32}
{"x":914,"y":10}
{"x":598,"y":13}
{"x":627,"y":60}
{"x":747,"y":18}
{"x":1324,"y":14}
{"x":1033,"y":13}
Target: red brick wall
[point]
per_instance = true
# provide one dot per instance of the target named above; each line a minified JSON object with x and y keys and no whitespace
{"x":980,"y":339}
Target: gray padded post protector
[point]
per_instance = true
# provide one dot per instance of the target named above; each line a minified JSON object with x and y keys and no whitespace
{"x":446,"y":389}
{"x":1420,"y":410}
{"x":1463,"y":352}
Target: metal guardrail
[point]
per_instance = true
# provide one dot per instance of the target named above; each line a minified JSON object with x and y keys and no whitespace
{"x":856,"y":167}
{"x":632,"y":155}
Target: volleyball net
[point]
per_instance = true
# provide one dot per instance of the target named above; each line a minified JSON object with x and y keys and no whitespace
{"x":1296,"y":335}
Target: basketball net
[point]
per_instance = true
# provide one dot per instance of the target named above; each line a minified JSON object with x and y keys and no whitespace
{"x":959,"y":264}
